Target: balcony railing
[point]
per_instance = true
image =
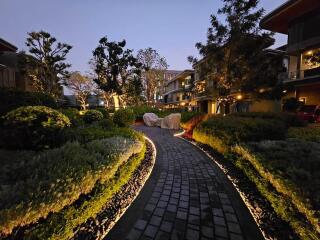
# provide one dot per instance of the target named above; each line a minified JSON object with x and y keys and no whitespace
{"x":304,"y":74}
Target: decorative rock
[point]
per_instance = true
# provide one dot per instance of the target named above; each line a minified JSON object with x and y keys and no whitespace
{"x":171,"y":121}
{"x":150,"y":119}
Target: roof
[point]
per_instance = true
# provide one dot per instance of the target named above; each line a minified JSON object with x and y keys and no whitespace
{"x":6,"y":46}
{"x":279,"y":19}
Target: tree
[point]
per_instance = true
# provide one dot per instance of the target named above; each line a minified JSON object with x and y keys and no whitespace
{"x":154,"y":68}
{"x":114,"y":68}
{"x":82,"y":87}
{"x":46,"y":63}
{"x":236,"y":49}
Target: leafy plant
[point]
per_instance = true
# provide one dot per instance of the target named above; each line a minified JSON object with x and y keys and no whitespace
{"x":32,"y":127}
{"x":124,"y":117}
{"x":91,"y":116}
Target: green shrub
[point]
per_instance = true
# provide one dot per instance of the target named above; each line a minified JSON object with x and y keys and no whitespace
{"x":104,"y":112}
{"x":290,"y":119}
{"x":94,"y":132}
{"x":11,"y":99}
{"x":73,"y":115}
{"x":124,"y":117}
{"x":305,"y":133}
{"x":292,"y":168}
{"x":91,"y":116}
{"x":223,"y":132}
{"x":56,"y":178}
{"x":32,"y":127}
{"x":190,"y":121}
{"x":291,"y":105}
{"x":107,"y":124}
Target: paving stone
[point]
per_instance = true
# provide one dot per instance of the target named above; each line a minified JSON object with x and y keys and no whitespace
{"x":182,"y":215}
{"x":162,"y":204}
{"x":150,"y":231}
{"x":231,"y":217}
{"x":172,"y":208}
{"x":166,"y":226}
{"x":217,"y":212}
{"x":219,"y":221}
{"x":155,"y":220}
{"x":162,"y":236}
{"x":134,"y":234}
{"x":220,"y":231}
{"x":207,"y":231}
{"x":140,"y":224}
{"x":234,"y":227}
{"x":194,"y":211}
{"x":235,"y":237}
{"x":159,"y":212}
{"x":192,"y":234}
{"x":150,"y":207}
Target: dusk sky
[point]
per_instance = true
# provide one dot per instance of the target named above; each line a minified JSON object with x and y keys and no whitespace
{"x":172,"y":27}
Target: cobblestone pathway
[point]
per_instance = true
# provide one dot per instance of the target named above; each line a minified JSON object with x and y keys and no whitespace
{"x":186,"y":197}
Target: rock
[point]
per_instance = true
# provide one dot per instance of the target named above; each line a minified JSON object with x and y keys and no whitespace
{"x":150,"y":119}
{"x":171,"y":121}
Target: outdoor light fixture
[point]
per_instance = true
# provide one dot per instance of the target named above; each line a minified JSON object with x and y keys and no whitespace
{"x":284,"y":91}
{"x":239,"y":97}
{"x":309,"y":53}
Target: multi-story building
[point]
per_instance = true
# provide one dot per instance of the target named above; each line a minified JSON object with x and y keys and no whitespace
{"x":160,"y":91}
{"x":10,"y":69}
{"x":178,"y":90}
{"x":299,"y":20}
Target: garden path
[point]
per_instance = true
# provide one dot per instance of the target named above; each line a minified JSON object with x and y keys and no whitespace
{"x":186,"y":197}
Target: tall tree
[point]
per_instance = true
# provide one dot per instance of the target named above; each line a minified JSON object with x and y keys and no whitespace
{"x":154,"y":68}
{"x":82,"y":86}
{"x":114,"y":68}
{"x":236,"y":47}
{"x":46,"y":63}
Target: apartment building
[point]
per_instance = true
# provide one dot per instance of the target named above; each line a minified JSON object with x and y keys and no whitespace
{"x":168,"y":75}
{"x":178,"y":90}
{"x":10,"y":74}
{"x":299,"y":19}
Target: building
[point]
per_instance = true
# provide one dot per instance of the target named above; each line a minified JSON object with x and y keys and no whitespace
{"x":160,"y":90}
{"x":178,"y":90}
{"x":10,"y":69}
{"x":299,"y":20}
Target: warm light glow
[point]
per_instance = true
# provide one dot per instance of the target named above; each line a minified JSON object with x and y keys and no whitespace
{"x":183,"y":104}
{"x":284,"y":91}
{"x":309,"y":53}
{"x":82,"y":112}
{"x":239,"y":97}
{"x":262,"y":90}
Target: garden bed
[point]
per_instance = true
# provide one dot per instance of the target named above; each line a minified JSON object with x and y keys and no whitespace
{"x":285,"y":173}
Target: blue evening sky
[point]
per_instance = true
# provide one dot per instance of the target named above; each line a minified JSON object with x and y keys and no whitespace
{"x":172,"y":27}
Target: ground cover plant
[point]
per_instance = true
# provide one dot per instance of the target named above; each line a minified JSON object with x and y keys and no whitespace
{"x":285,"y":171}
{"x":45,"y":182}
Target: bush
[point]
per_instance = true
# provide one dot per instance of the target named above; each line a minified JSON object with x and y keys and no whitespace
{"x":51,"y":180}
{"x":291,"y":105}
{"x":289,"y":119}
{"x":223,"y":132}
{"x":91,"y":116}
{"x":32,"y":127}
{"x":104,"y":112}
{"x":305,"y":133}
{"x":11,"y":99}
{"x":292,"y":168}
{"x":124,"y":117}
{"x":73,"y":115}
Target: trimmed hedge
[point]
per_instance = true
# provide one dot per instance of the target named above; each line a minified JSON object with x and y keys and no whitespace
{"x":124,"y":117}
{"x":74,"y":116}
{"x":51,"y":180}
{"x":305,"y":133}
{"x":91,"y":116}
{"x":285,"y":172}
{"x":32,"y":127}
{"x":292,"y":168}
{"x":289,"y":119}
{"x":11,"y":99}
{"x":60,"y":226}
{"x":223,"y":132}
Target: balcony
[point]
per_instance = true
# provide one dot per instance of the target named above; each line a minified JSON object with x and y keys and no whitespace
{"x":303,"y":74}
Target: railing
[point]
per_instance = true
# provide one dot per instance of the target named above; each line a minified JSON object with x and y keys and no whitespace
{"x":303,"y":74}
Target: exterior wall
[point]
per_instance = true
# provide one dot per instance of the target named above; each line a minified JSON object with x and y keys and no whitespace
{"x":311,"y":94}
{"x":7,"y":78}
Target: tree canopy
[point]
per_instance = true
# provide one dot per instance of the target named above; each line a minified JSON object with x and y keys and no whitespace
{"x":46,"y":64}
